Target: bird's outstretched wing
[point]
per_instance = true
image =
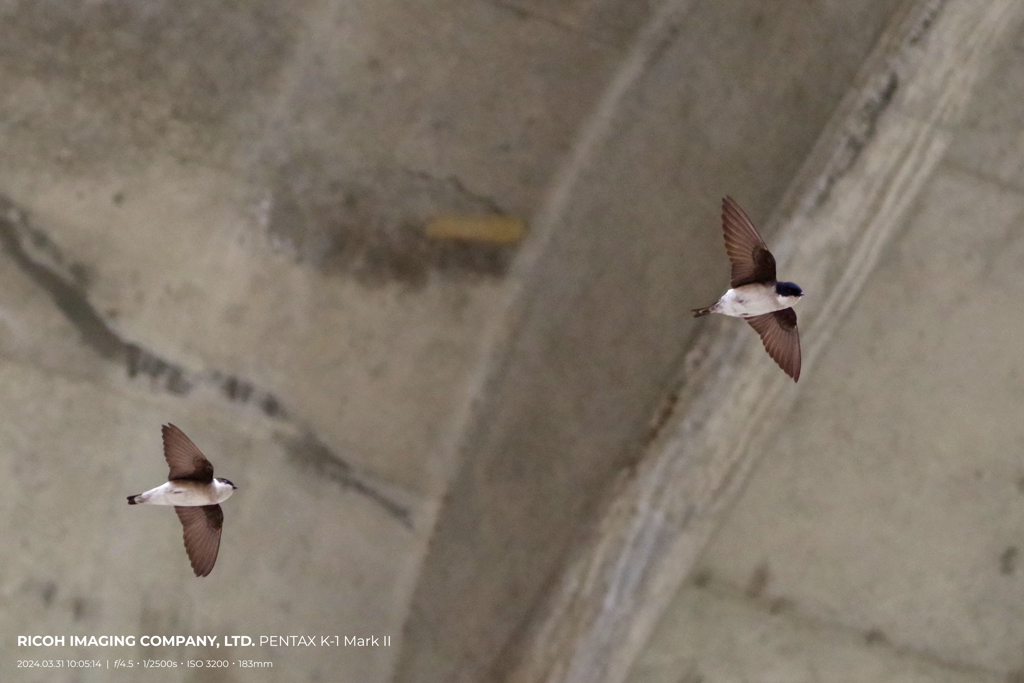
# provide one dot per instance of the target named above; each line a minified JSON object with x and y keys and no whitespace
{"x":202,"y":535}
{"x":184,"y":458}
{"x":780,"y":338}
{"x":749,"y":255}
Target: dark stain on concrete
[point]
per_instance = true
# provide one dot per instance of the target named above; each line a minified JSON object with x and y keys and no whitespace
{"x":271,"y":406}
{"x":759,"y":580}
{"x":308,"y":452}
{"x":702,"y":577}
{"x":237,"y":389}
{"x":368,"y":224}
{"x":171,"y":377}
{"x":922,"y":29}
{"x":1008,"y":560}
{"x":660,"y":418}
{"x":781,"y":604}
{"x":79,"y":607}
{"x":876,"y":636}
{"x":244,"y":392}
{"x":67,"y":296}
{"x":37,"y":256}
{"x":48,"y":592}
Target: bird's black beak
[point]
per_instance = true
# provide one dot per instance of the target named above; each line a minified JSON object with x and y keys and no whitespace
{"x":233,"y":486}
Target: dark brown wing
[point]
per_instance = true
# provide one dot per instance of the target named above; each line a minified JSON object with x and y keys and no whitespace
{"x":749,"y":255}
{"x":781,"y":339}
{"x":186,"y":461}
{"x":202,"y":535}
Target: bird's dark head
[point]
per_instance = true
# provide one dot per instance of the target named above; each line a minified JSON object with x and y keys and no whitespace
{"x":788,"y":289}
{"x":225,"y":481}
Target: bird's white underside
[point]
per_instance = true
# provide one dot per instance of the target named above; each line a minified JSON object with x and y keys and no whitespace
{"x":186,"y":494}
{"x":752,"y":300}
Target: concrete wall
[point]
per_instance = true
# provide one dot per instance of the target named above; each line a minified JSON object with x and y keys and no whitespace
{"x":213,"y":215}
{"x":878,"y":535}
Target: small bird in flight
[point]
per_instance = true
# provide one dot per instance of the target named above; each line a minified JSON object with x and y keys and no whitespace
{"x":755,"y":295}
{"x":194,"y":492}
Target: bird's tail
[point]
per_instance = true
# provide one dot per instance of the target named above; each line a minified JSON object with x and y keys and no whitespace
{"x":131,"y":499}
{"x":698,"y":312}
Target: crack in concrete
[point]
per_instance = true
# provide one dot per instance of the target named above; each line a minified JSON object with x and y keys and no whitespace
{"x":874,"y":104}
{"x":68,"y":297}
{"x":871,"y":110}
{"x":456,"y":184}
{"x":66,"y":290}
{"x":927,"y":20}
{"x":313,"y":454}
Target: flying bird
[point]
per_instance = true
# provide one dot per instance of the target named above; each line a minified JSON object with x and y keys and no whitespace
{"x":195,"y":494}
{"x":755,"y":295}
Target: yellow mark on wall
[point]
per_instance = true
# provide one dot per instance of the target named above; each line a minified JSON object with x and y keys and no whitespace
{"x":490,"y":229}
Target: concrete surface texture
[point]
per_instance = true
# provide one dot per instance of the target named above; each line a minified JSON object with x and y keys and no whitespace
{"x":213,"y":215}
{"x":852,"y":196}
{"x":878,"y":537}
